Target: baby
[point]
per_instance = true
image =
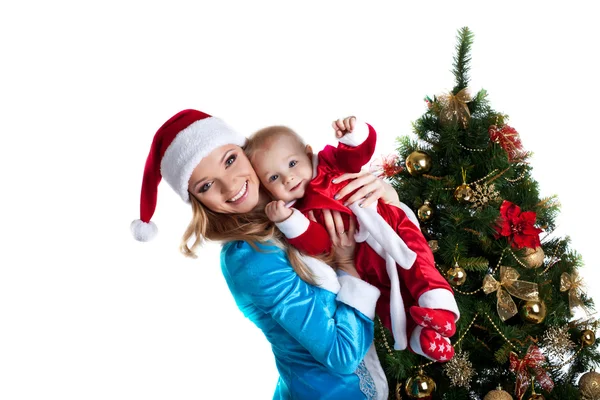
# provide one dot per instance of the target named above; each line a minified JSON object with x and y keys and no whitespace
{"x":392,"y":253}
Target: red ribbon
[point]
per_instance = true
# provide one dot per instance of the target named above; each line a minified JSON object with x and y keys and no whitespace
{"x":533,"y":359}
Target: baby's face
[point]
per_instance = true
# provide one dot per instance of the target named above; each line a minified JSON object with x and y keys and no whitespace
{"x":284,"y":167}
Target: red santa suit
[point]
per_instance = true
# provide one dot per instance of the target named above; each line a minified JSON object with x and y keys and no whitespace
{"x":387,"y":237}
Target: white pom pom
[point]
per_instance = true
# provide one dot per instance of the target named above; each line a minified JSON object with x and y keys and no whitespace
{"x":143,"y":231}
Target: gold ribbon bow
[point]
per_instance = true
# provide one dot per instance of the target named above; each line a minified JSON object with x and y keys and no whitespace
{"x":454,"y":108}
{"x":508,"y":280}
{"x":573,"y":283}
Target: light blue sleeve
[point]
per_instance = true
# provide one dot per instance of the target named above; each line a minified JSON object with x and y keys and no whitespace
{"x":339,"y":340}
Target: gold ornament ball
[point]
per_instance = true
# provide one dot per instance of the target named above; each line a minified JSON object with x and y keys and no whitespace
{"x":418,"y":163}
{"x":433,"y":245}
{"x":498,"y":394}
{"x":588,"y":337}
{"x":456,"y":275}
{"x":589,"y":384}
{"x":536,"y":396}
{"x":534,"y":257}
{"x":463,"y":193}
{"x":420,"y":386}
{"x":533,"y":311}
{"x":425,"y":212}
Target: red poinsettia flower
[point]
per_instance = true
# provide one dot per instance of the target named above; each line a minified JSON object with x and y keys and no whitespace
{"x":518,"y":226}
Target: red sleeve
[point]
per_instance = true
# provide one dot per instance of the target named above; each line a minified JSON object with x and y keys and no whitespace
{"x":352,"y":157}
{"x":314,"y":241}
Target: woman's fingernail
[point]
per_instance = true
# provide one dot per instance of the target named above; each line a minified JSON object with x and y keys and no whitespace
{"x":346,"y":204}
{"x":334,"y":180}
{"x":337,"y":196}
{"x":360,"y":205}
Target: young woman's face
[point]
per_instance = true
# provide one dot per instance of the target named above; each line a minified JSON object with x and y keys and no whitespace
{"x":225,"y":182}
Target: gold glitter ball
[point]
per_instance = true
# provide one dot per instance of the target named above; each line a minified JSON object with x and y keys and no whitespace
{"x":536,"y":396}
{"x":534,"y":257}
{"x":589,"y":386}
{"x":498,"y":394}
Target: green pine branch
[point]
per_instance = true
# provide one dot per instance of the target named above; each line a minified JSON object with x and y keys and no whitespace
{"x":462,"y":59}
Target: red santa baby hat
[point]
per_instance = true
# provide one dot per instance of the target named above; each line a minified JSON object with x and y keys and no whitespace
{"x":177,"y":148}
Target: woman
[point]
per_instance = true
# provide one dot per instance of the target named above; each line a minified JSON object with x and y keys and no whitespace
{"x":320,"y":325}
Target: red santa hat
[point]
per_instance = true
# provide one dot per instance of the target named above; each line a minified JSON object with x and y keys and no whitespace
{"x":177,"y":148}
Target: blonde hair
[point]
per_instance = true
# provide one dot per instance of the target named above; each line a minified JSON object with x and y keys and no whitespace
{"x":252,"y":227}
{"x":259,"y":138}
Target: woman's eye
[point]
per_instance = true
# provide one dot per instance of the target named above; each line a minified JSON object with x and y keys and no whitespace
{"x":273,"y":178}
{"x":293,"y":163}
{"x":205,"y":187}
{"x":230,"y":160}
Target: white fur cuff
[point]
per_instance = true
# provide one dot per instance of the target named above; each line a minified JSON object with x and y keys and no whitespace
{"x":440,"y":299}
{"x":325,"y":276}
{"x":358,"y":294}
{"x":295,"y":225}
{"x":357,"y":136}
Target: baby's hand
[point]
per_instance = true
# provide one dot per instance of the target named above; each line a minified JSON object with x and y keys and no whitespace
{"x":342,"y":127}
{"x":277,"y":211}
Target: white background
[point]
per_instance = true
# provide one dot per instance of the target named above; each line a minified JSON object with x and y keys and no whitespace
{"x":86,"y":312}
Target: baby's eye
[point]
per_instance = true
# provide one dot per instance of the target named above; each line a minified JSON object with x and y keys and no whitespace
{"x":293,"y":163}
{"x":205,"y":187}
{"x":273,"y":178}
{"x":230,"y":160}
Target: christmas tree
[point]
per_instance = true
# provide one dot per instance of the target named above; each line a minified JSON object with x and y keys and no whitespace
{"x":526,"y":328}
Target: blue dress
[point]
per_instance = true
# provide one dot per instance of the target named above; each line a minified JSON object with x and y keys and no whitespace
{"x":319,"y":335}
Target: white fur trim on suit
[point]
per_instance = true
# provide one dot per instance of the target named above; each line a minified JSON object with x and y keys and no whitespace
{"x":357,"y":136}
{"x":374,"y":367}
{"x":441,"y":299}
{"x":190,"y":146}
{"x":143,"y":231}
{"x":380,"y":236}
{"x":324,"y":275}
{"x":295,"y":225}
{"x":397,"y":309}
{"x":370,"y":220}
{"x":358,"y":294}
{"x":410,"y":214}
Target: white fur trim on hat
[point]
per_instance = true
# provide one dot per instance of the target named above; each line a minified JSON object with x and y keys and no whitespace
{"x":143,"y":231}
{"x":189,"y":147}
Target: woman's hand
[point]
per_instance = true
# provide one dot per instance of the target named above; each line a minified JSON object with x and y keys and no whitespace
{"x":371,"y":189}
{"x":342,"y":242}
